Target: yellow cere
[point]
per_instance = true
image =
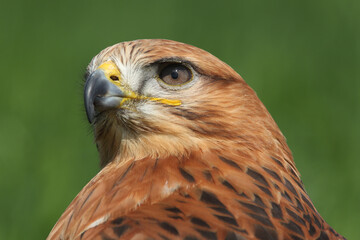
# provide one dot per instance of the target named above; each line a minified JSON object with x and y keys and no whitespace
{"x":110,"y":69}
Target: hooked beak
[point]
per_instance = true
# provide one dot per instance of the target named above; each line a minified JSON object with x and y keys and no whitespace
{"x":100,"y":94}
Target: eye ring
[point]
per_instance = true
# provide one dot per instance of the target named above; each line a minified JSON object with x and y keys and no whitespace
{"x":175,"y":74}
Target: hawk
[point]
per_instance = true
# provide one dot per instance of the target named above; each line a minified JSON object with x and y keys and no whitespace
{"x":187,"y":150}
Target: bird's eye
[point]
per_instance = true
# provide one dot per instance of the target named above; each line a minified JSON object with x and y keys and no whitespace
{"x":175,"y":74}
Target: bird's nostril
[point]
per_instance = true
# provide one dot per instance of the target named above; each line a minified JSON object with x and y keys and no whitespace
{"x":115,"y":78}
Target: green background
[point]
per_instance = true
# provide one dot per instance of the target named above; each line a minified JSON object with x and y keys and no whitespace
{"x":301,"y":57}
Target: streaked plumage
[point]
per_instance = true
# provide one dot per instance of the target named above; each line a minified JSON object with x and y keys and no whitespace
{"x":202,"y":160}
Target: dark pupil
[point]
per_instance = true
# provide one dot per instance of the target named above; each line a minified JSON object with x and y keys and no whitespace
{"x":174,"y":74}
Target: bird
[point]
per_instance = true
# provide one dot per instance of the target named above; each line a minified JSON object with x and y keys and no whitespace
{"x":187,"y":151}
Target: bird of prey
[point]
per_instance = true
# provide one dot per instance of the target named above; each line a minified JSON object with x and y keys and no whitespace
{"x":187,"y":150}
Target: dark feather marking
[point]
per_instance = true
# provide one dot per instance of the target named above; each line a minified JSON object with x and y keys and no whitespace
{"x":316,"y":221}
{"x":207,"y":234}
{"x":142,"y":177}
{"x":199,"y":222}
{"x":120,"y":230}
{"x":178,"y":111}
{"x":190,"y":115}
{"x":258,"y":201}
{"x":187,"y":195}
{"x":229,"y":220}
{"x":175,"y":217}
{"x":162,"y":236}
{"x":78,"y":223}
{"x":312,"y":230}
{"x":129,"y":44}
{"x":293,"y":227}
{"x":117,"y":221}
{"x":286,"y":196}
{"x":229,"y":162}
{"x":67,"y":225}
{"x":100,"y":132}
{"x":289,"y":186}
{"x":295,"y":217}
{"x":276,"y":186}
{"x":222,"y":210}
{"x":124,"y":174}
{"x":257,"y":176}
{"x":142,"y":51}
{"x":231,"y":236}
{"x":156,"y":162}
{"x":114,"y":194}
{"x":210,"y":198}
{"x":234,"y":236}
{"x":173,"y":210}
{"x":278,"y":162}
{"x":190,"y":238}
{"x":276,"y":211}
{"x":293,"y":237}
{"x":307,"y":218}
{"x":239,"y":230}
{"x":263,"y":220}
{"x":207,"y":175}
{"x":138,"y":51}
{"x":86,"y":199}
{"x":228,"y":185}
{"x":307,"y":202}
{"x":265,"y":190}
{"x":168,"y":227}
{"x":292,"y":171}
{"x":121,"y":58}
{"x":187,"y":175}
{"x":298,"y":183}
{"x":299,"y":207}
{"x":212,"y":124}
{"x":254,"y":208}
{"x":263,"y":233}
{"x":243,"y":195}
{"x":131,"y":52}
{"x":211,"y":131}
{"x":323,"y":236}
{"x":272,"y":173}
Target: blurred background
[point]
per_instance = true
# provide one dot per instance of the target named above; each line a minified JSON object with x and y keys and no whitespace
{"x":301,"y":57}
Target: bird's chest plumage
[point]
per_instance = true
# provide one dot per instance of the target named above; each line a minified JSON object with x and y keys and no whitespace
{"x":203,"y":196}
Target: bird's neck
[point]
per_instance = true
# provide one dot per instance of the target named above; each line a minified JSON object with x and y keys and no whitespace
{"x":148,"y":180}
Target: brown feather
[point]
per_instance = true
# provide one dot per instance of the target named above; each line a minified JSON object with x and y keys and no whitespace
{"x":216,"y":167}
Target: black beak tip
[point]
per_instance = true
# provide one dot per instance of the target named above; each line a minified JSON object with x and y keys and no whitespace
{"x":90,"y":112}
{"x":100,"y":95}
{"x":89,"y":99}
